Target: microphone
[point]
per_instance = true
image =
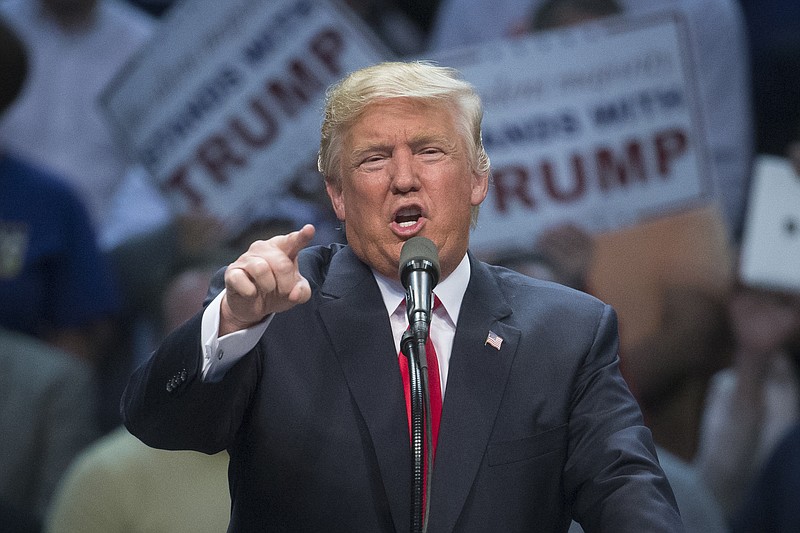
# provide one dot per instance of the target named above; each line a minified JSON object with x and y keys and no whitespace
{"x":419,"y":274}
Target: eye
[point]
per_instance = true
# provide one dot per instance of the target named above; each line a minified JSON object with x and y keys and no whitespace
{"x":431,"y":153}
{"x":372,"y":162}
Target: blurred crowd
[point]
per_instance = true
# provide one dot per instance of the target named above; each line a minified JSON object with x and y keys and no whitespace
{"x":96,"y":266}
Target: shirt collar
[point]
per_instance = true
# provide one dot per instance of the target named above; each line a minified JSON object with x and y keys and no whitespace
{"x":450,"y":290}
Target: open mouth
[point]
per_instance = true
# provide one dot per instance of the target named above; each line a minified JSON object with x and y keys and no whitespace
{"x":407,"y":217}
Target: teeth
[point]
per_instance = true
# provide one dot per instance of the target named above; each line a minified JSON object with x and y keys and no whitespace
{"x":406,"y":218}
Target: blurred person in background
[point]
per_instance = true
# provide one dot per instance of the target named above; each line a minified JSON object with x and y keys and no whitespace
{"x":395,"y":28}
{"x":75,"y":48}
{"x":773,"y":27}
{"x":157,"y":8}
{"x":753,"y":403}
{"x":57,"y":292}
{"x":120,"y":485}
{"x":756,"y":400}
{"x":57,"y":285}
{"x":47,"y":418}
{"x":751,"y":447}
{"x":771,"y":501}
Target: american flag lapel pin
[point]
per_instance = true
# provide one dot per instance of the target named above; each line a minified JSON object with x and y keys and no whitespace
{"x":494,"y":340}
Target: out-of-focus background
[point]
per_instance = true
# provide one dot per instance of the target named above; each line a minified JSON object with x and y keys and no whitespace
{"x":644,"y":151}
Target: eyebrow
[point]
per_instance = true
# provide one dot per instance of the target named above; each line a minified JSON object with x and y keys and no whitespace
{"x":415,"y":143}
{"x":437,"y":139}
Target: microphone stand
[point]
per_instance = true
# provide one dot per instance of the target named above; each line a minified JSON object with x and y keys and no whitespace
{"x":413,"y":347}
{"x":419,"y":272}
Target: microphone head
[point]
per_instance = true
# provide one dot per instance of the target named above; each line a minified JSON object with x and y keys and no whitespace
{"x":419,"y":253}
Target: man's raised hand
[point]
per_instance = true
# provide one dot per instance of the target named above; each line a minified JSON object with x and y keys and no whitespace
{"x":264,"y":280}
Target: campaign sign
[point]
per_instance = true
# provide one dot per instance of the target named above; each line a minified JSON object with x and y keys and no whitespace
{"x":596,"y":125}
{"x":223,"y":106}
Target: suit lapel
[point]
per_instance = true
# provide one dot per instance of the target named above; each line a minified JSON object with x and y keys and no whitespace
{"x":355,"y":318}
{"x":475,"y":386}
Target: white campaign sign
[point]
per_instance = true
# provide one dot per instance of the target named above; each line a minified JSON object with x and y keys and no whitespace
{"x":596,"y":125}
{"x":224,"y":105}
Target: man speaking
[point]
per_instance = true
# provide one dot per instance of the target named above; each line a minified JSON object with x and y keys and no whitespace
{"x":294,"y":367}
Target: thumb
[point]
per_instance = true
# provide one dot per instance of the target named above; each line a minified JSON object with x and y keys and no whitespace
{"x":301,"y":292}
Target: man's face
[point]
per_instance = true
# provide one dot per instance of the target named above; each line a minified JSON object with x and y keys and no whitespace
{"x":405,"y":172}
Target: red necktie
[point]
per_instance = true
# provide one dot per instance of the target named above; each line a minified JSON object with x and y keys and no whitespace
{"x":434,"y":386}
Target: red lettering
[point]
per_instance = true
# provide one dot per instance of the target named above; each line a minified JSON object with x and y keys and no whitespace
{"x":607,"y":168}
{"x":229,"y":148}
{"x":294,"y":95}
{"x":179,"y":181}
{"x":670,"y":145}
{"x":612,"y":172}
{"x":327,"y":47}
{"x":578,"y":182}
{"x":269,"y":126}
{"x":215,"y":155}
{"x":509,"y":183}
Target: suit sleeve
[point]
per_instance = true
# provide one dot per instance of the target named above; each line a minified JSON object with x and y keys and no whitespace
{"x":612,"y":472}
{"x":167,"y":405}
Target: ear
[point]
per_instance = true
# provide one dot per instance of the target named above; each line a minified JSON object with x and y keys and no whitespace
{"x":336,"y":195}
{"x":480,"y":187}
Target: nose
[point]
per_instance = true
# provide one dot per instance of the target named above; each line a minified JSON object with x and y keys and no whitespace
{"x":403,"y":172}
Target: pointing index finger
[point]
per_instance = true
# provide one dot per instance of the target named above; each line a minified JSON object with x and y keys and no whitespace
{"x":297,"y":240}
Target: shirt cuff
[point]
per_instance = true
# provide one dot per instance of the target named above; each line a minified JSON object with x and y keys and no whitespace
{"x":221,"y":353}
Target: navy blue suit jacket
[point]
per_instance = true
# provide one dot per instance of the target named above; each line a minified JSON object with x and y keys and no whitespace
{"x":534,"y":433}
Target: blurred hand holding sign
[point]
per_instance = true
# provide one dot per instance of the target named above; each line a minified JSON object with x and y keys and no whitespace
{"x":223,"y":105}
{"x":600,"y":126}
